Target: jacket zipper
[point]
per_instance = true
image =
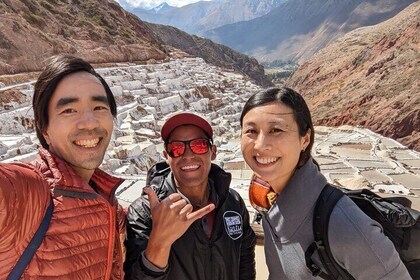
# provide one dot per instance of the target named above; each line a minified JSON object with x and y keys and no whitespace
{"x":117,"y":232}
{"x":111,"y":240}
{"x":112,"y":231}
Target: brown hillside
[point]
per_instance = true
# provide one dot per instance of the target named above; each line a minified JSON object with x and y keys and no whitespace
{"x":369,"y":77}
{"x":100,"y":31}
{"x":211,"y":52}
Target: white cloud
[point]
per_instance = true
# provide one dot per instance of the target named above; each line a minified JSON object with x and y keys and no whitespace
{"x":147,"y":4}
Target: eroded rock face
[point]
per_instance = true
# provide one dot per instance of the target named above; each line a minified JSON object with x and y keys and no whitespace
{"x":298,"y":29}
{"x":211,"y":52}
{"x":369,"y":78}
{"x":99,"y":31}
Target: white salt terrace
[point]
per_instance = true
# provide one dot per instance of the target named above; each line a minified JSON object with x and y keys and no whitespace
{"x":146,"y":94}
{"x":351,"y":170}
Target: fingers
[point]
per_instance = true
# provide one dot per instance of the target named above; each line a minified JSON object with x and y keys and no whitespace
{"x":200,"y":212}
{"x":153,"y":199}
{"x":187,"y":209}
{"x":178,"y":204}
{"x":174,"y":197}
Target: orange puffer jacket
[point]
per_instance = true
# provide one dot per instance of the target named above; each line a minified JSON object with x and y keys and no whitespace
{"x":83,"y":240}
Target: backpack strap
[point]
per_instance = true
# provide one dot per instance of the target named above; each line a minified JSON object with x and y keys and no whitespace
{"x":33,"y":245}
{"x":324,"y":206}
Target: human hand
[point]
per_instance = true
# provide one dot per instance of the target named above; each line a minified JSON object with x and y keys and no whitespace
{"x":171,"y":218}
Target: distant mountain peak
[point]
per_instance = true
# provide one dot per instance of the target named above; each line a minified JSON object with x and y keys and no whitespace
{"x":161,"y":9}
{"x":198,"y":17}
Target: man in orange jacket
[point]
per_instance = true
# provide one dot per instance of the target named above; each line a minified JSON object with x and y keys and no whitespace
{"x":74,"y":110}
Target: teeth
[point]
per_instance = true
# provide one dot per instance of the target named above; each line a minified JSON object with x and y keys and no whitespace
{"x":189,"y":167}
{"x":87,"y":143}
{"x":266,"y":160}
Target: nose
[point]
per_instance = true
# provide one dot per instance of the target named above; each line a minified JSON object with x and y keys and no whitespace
{"x":188,"y":153}
{"x":262,"y":142}
{"x":87,"y":120}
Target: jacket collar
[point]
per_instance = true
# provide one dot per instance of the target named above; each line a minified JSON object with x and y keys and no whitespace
{"x":60,"y":175}
{"x":295,"y":203}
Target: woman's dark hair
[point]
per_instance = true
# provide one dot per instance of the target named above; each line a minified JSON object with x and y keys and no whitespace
{"x":293,"y":100}
{"x":56,"y":69}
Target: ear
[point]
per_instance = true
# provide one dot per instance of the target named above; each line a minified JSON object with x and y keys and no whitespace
{"x":46,"y":136}
{"x":213,"y":152}
{"x":306,"y":139}
{"x":165,"y":154}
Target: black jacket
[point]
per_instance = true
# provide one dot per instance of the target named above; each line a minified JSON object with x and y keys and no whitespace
{"x":227,"y":255}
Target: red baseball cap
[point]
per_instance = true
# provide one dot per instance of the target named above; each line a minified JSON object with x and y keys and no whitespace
{"x":185,"y":119}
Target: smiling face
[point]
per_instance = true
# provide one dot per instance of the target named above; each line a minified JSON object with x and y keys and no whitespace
{"x":271,"y":144}
{"x":80,"y":122}
{"x":190,"y":170}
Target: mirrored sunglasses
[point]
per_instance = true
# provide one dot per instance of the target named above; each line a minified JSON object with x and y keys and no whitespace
{"x":198,"y":146}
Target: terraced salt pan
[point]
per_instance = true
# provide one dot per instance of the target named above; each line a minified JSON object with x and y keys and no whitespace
{"x":391,"y":144}
{"x":353,"y":150}
{"x":15,"y":140}
{"x":352,"y":156}
{"x":378,"y":164}
{"x":404,"y":154}
{"x":375,"y":176}
{"x":325,"y":160}
{"x":413,"y":163}
{"x":334,"y":166}
{"x":130,"y":190}
{"x":333,"y":177}
{"x":408,"y":180}
{"x":322,"y":149}
{"x":348,"y":170}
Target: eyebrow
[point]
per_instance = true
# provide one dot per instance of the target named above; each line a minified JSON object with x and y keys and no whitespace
{"x":101,"y":98}
{"x":272,"y":113}
{"x":270,"y":122}
{"x":68,"y":100}
{"x":64,"y":101}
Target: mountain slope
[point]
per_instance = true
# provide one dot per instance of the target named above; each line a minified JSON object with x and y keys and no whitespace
{"x":212,"y":53}
{"x":198,"y":17}
{"x":297,"y":29}
{"x":100,"y":31}
{"x":369,"y":77}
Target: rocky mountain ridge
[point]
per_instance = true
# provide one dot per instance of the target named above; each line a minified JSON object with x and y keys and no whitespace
{"x":99,"y":31}
{"x":297,"y":29}
{"x":196,"y":18}
{"x":211,"y":52}
{"x":369,"y":77}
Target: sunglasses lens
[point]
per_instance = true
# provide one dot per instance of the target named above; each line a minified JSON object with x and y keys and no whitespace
{"x":175,"y":149}
{"x":199,"y":146}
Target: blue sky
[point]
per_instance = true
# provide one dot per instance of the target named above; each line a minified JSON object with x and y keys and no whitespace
{"x":154,"y":3}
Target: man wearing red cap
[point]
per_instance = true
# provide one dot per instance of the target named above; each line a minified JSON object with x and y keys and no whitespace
{"x":189,"y":224}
